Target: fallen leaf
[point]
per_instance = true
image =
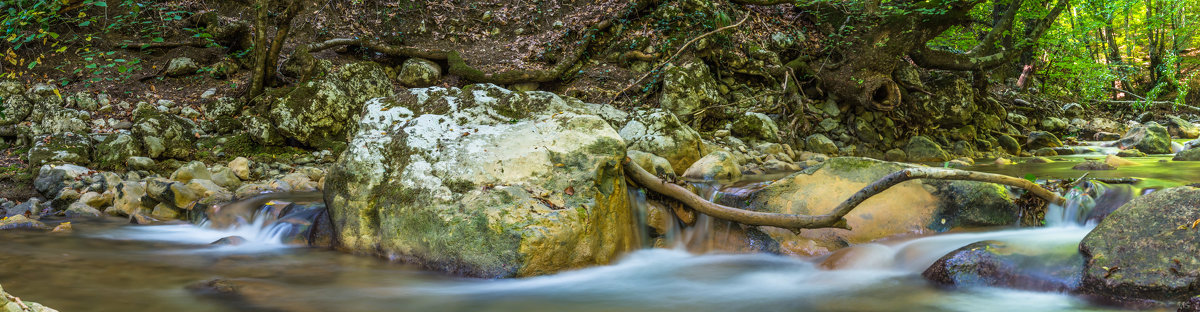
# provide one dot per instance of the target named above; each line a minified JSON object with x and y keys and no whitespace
{"x":570,"y":190}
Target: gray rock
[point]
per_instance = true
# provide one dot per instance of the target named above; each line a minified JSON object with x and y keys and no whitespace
{"x":1150,"y":138}
{"x":660,"y":133}
{"x":819,"y":143}
{"x":20,"y":222}
{"x":52,"y":179}
{"x":241,"y":167}
{"x":192,"y":170}
{"x":140,"y":163}
{"x":718,"y":165}
{"x":1073,"y":110}
{"x":69,"y":148}
{"x":81,"y":210}
{"x":317,"y":113}
{"x":181,"y":66}
{"x":756,"y":126}
{"x":1010,"y":265}
{"x":165,"y":135}
{"x":116,"y":149}
{"x":419,"y":73}
{"x":1180,"y":128}
{"x":1042,"y":139}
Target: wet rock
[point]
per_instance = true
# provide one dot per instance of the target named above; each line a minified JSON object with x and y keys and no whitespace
{"x":1042,"y":139}
{"x":225,"y":177}
{"x":1106,"y":136}
{"x":1010,"y":145}
{"x":922,"y":149}
{"x":52,"y":179}
{"x":419,"y":73}
{"x":317,"y":113}
{"x":64,"y":199}
{"x":241,"y":168}
{"x":1143,"y":250}
{"x":82,"y":210}
{"x":165,"y":211}
{"x":538,"y":189}
{"x":192,"y":170}
{"x":1010,"y":265}
{"x":1180,"y":128}
{"x":819,"y":143}
{"x":917,"y":206}
{"x":1188,"y":155}
{"x":1150,"y":138}
{"x":181,"y":66}
{"x":115,"y":149}
{"x":128,"y":199}
{"x":687,"y":89}
{"x":8,"y":304}
{"x":718,"y":165}
{"x":140,"y":163}
{"x":1045,"y":152}
{"x":20,"y":222}
{"x":164,"y":135}
{"x":895,"y":154}
{"x":1117,"y":161}
{"x":756,"y":126}
{"x":61,"y":148}
{"x":229,"y":241}
{"x":1054,"y":124}
{"x":660,"y":133}
{"x":1040,"y":160}
{"x":206,"y":192}
{"x":1093,"y":165}
{"x":1131,"y":153}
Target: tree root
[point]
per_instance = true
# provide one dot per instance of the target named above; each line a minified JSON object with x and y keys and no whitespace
{"x":836,"y":218}
{"x":677,"y":52}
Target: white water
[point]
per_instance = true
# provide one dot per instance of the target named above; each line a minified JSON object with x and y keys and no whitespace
{"x":259,"y":233}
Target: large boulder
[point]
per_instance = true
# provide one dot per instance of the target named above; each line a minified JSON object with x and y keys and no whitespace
{"x":1180,"y":128}
{"x":1011,"y":265}
{"x":1146,"y":249}
{"x":69,"y":148}
{"x":689,"y":88}
{"x":320,"y":112}
{"x":923,"y":149}
{"x":1150,"y":138}
{"x":164,"y":135}
{"x":660,"y":133}
{"x":482,"y":181}
{"x":912,"y":207}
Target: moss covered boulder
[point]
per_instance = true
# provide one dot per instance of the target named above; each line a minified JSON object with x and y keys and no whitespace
{"x":1150,"y":138}
{"x":60,"y":148}
{"x":1146,"y":249}
{"x":482,"y":181}
{"x":912,"y":207}
{"x":923,"y":149}
{"x":661,"y":133}
{"x":113,"y":152}
{"x":164,"y":135}
{"x":318,"y":113}
{"x":688,"y":89}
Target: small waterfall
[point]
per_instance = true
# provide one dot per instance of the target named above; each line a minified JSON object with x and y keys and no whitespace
{"x":268,"y":221}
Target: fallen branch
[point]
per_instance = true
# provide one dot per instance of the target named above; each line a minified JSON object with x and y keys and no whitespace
{"x":677,"y":52}
{"x":836,"y":218}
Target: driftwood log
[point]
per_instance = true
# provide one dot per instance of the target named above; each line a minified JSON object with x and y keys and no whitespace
{"x":836,"y":218}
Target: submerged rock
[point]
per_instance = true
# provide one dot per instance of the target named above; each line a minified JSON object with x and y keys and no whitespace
{"x":1010,"y":265}
{"x":1146,"y":249}
{"x":911,"y":207}
{"x":482,"y":181}
{"x":1093,"y":165}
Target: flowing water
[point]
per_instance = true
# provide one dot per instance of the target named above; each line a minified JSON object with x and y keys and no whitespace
{"x":109,"y":265}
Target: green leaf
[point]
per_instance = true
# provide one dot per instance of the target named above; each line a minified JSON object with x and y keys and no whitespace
{"x":32,"y":64}
{"x":101,"y":4}
{"x":157,"y":39}
{"x":85,"y":23}
{"x":1030,"y":177}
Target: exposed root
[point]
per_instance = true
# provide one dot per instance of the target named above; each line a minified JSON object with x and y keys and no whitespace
{"x":673,"y":56}
{"x":836,"y":218}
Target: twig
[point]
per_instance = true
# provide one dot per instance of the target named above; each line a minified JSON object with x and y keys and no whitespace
{"x":673,"y":56}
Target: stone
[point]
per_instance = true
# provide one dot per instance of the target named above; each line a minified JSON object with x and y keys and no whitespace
{"x":534,"y":186}
{"x":922,"y":149}
{"x":1042,"y":139}
{"x":179,"y":196}
{"x":1010,"y":144}
{"x":165,"y":135}
{"x":317,"y":113}
{"x":419,"y":73}
{"x":687,"y":89}
{"x":164,"y":211}
{"x":1150,"y":138}
{"x":756,"y":126}
{"x":128,"y":199}
{"x":224,"y":177}
{"x":241,"y":167}
{"x":1131,"y":153}
{"x":261,"y":130}
{"x":1180,"y":128}
{"x":1117,"y":161}
{"x":140,"y":163}
{"x":192,"y":170}
{"x":819,"y":143}
{"x":1106,"y":136}
{"x":181,"y":66}
{"x":917,"y":206}
{"x":20,"y":222}
{"x":52,"y":179}
{"x":652,"y":163}
{"x":62,"y":148}
{"x":1073,"y":110}
{"x":660,"y":133}
{"x":64,"y":199}
{"x":895,"y":154}
{"x":1010,"y":265}
{"x":82,"y":210}
{"x":1040,"y":160}
{"x":1093,"y":165}
{"x":115,"y":150}
{"x":1188,"y":155}
{"x":718,"y":165}
{"x":1054,"y":124}
{"x":1143,"y":250}
{"x":96,"y":200}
